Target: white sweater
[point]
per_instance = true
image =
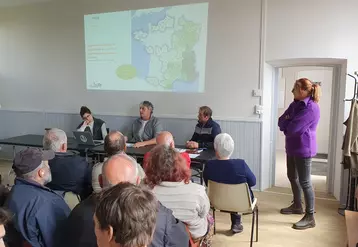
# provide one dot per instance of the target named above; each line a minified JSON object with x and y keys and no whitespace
{"x":189,"y":203}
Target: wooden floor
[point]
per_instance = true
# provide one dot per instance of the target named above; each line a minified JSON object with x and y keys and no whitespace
{"x":275,"y":229}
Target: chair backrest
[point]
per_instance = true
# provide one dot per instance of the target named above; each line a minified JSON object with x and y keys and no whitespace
{"x":71,"y":199}
{"x":230,"y":197}
{"x":352,"y":225}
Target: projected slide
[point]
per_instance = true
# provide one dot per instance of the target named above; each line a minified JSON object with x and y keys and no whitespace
{"x":160,"y":49}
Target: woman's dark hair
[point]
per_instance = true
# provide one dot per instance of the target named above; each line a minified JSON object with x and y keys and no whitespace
{"x":166,"y":165}
{"x":84,"y":110}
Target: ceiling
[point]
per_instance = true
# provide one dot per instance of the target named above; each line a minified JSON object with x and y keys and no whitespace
{"x":12,"y":3}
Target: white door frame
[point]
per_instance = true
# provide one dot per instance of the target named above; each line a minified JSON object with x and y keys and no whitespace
{"x":334,"y":181}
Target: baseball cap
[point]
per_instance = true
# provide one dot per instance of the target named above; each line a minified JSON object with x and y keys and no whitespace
{"x":29,"y":159}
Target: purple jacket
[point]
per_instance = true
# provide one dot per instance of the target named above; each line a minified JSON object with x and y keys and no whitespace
{"x":299,"y":123}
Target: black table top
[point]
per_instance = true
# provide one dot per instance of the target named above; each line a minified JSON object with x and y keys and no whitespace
{"x":36,"y":141}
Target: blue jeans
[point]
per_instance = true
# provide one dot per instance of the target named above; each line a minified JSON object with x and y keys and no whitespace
{"x":299,"y":174}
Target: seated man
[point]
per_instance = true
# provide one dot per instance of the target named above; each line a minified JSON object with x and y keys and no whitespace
{"x":79,"y":230}
{"x":38,"y":211}
{"x":125,"y":216}
{"x":205,"y":131}
{"x":166,"y":138}
{"x":91,"y":124}
{"x":114,"y":143}
{"x":145,"y":129}
{"x":228,"y":171}
{"x":70,"y":172}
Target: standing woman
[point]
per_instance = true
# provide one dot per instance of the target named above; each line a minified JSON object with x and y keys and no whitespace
{"x":299,"y":124}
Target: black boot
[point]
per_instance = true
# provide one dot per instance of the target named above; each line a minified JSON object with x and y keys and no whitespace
{"x":306,"y":222}
{"x":236,"y":226}
{"x":293,"y":209}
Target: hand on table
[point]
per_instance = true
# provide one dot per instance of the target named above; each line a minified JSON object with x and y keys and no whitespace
{"x":139,"y":144}
{"x":192,"y":144}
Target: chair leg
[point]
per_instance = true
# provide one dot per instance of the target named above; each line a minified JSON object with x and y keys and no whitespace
{"x":214,"y":221}
{"x":252,"y":227}
{"x":257,"y":224}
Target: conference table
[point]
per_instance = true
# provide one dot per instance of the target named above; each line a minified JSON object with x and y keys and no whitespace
{"x":197,"y":164}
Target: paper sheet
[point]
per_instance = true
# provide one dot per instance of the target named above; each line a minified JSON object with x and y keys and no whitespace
{"x":181,"y":150}
{"x":129,"y":145}
{"x":192,"y":156}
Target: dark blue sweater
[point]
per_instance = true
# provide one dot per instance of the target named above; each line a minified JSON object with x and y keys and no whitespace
{"x":205,"y":133}
{"x":38,"y":214}
{"x":232,"y":171}
{"x":71,"y":172}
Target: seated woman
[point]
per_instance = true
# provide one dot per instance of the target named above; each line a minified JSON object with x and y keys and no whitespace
{"x":145,"y":129}
{"x":169,"y":177}
{"x":228,"y":171}
{"x":94,"y":125}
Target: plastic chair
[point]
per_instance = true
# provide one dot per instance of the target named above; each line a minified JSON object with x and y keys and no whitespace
{"x":233,"y":198}
{"x":71,"y":199}
{"x":352,"y":226}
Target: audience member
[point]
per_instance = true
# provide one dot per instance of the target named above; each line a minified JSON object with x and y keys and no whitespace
{"x":114,"y":143}
{"x":146,"y":127}
{"x":96,"y":126}
{"x":79,"y":230}
{"x":166,"y":138}
{"x":5,"y":217}
{"x":125,"y":216}
{"x":38,"y":211}
{"x":70,"y":172}
{"x":205,"y":131}
{"x":169,"y":177}
{"x":228,"y":171}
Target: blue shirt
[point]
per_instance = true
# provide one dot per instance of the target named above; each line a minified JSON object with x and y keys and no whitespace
{"x":232,"y":171}
{"x":299,"y":124}
{"x":38,"y":214}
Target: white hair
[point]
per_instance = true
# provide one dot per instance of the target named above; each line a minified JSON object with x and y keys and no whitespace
{"x":54,"y":139}
{"x":224,"y":145}
{"x":133,"y":162}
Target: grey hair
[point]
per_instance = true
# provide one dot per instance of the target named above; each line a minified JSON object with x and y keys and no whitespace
{"x":224,"y":145}
{"x":147,"y":104}
{"x":53,"y":139}
{"x":106,"y":182}
{"x":32,"y":175}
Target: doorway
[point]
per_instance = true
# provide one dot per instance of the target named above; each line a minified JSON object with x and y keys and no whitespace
{"x":323,"y":76}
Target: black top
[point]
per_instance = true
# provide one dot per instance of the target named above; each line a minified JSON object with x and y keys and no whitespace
{"x":97,"y":128}
{"x":79,"y":228}
{"x":71,"y":172}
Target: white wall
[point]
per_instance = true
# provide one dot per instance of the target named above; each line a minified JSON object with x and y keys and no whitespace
{"x":313,"y":29}
{"x":325,"y":76}
{"x":42,"y":65}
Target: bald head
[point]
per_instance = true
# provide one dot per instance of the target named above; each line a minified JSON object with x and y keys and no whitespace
{"x":119,"y":168}
{"x":114,"y":143}
{"x":165,"y":138}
